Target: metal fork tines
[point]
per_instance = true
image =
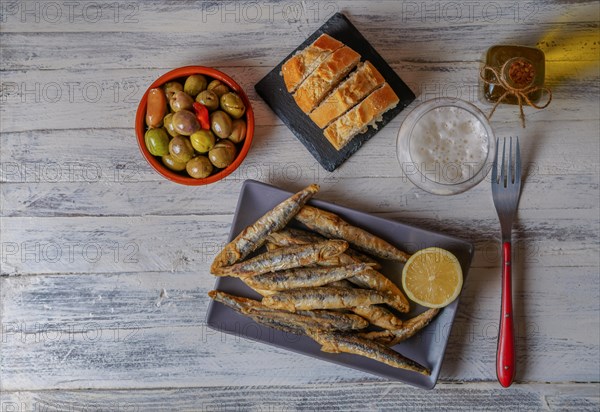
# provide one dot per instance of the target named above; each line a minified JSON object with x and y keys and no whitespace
{"x":505,"y":192}
{"x":506,"y":189}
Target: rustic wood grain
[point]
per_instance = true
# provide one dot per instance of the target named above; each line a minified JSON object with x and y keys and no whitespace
{"x":122,"y":310}
{"x":149,"y":16}
{"x":386,"y":29}
{"x":99,"y":99}
{"x":128,"y":244}
{"x":83,"y":321}
{"x":79,"y":198}
{"x":25,"y":156}
{"x":369,"y":396}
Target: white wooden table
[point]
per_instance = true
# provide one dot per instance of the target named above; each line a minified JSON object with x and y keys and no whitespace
{"x":105,"y":264}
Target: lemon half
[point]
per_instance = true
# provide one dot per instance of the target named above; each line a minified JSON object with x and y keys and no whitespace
{"x":432,"y":277}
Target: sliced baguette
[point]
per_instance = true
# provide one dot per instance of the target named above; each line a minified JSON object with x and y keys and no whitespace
{"x":297,"y":68}
{"x":363,"y":81}
{"x":325,"y":78}
{"x":363,"y":115}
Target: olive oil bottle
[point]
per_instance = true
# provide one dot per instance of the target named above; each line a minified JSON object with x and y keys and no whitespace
{"x":521,"y":67}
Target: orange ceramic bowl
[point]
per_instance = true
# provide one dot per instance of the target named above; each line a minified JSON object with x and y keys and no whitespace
{"x":182,"y":177}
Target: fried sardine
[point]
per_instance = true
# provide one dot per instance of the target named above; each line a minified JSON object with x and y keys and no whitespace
{"x":332,"y":226}
{"x":254,"y":236}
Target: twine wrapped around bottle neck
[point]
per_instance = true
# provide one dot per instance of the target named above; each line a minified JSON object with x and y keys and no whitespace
{"x":522,"y":94}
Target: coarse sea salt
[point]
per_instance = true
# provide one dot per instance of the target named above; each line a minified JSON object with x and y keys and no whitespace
{"x":449,"y":145}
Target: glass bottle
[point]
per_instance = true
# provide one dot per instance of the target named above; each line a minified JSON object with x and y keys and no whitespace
{"x":526,"y":68}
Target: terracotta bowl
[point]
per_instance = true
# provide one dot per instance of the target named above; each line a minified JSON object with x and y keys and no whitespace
{"x":155,"y":161}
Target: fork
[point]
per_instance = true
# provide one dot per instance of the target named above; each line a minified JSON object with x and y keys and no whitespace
{"x":505,"y":192}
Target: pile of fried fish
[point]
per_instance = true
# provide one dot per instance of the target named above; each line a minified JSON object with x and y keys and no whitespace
{"x":322,"y":282}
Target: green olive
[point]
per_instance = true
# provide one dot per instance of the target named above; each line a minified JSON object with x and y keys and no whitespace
{"x":223,"y":154}
{"x":199,"y":167}
{"x":209,"y":99}
{"x":220,"y":124}
{"x":195,"y":84}
{"x":185,"y":123}
{"x":218,"y":87}
{"x":238,"y":131}
{"x":203,"y":140}
{"x":168,"y":125}
{"x":171,"y":88}
{"x":172,"y":163}
{"x":181,"y":101}
{"x":233,"y":105}
{"x":181,"y":149}
{"x":157,"y":141}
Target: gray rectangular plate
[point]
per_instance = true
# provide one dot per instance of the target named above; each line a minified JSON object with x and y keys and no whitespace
{"x":427,"y":347}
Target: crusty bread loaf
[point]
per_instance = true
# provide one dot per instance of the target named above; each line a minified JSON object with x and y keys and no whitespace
{"x":325,"y":78}
{"x":359,"y":84}
{"x":297,"y":68}
{"x":358,"y":119}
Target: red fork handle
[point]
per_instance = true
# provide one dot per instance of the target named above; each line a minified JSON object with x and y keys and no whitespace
{"x":505,"y":359}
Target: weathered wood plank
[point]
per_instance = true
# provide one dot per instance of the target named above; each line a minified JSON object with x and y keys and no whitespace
{"x":34,"y":245}
{"x":112,"y":156}
{"x":83,"y":99}
{"x":574,"y":403}
{"x":87,"y":244}
{"x":148,"y":300}
{"x":371,"y":396}
{"x":150,"y":16}
{"x":430,"y":40}
{"x":46,"y":199}
{"x":169,"y":356}
{"x":155,"y":321}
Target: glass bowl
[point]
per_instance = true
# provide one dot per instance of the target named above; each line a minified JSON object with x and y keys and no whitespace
{"x":445,"y":146}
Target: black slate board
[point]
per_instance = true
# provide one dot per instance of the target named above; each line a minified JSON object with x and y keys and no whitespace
{"x":272,"y":89}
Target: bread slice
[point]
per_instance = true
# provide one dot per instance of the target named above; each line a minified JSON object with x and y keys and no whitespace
{"x":325,"y":78}
{"x":363,"y":115}
{"x":363,"y":81}
{"x":297,"y":68}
